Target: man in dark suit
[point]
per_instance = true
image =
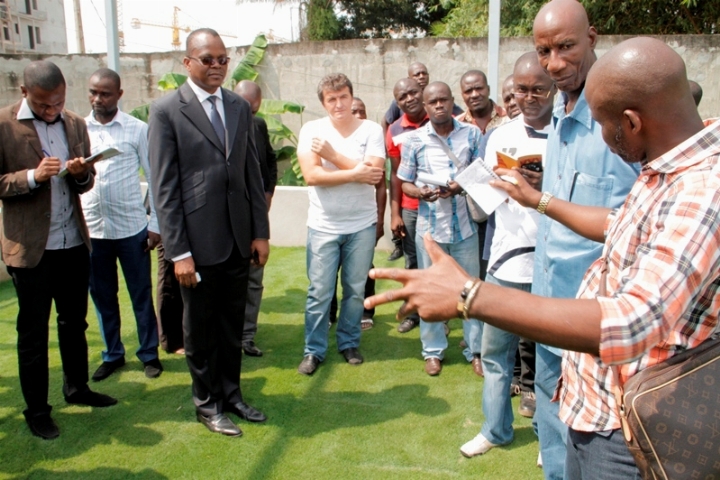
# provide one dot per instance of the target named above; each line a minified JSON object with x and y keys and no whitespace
{"x":45,"y":242}
{"x":213,"y":218}
{"x":251,"y":92}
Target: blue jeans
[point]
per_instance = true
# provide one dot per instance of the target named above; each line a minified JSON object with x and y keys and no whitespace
{"x":599,"y":456}
{"x":325,"y":253}
{"x":498,"y":358}
{"x":135,"y":263}
{"x":432,"y":335}
{"x":552,"y":432}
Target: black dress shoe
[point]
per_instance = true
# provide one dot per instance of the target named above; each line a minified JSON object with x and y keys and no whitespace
{"x":308,"y":365}
{"x":246,"y":412}
{"x":107,"y":368}
{"x":153,"y":368}
{"x":396,"y":254}
{"x":352,"y":356}
{"x":250,"y":349}
{"x":91,"y":399}
{"x":43,"y":426}
{"x":219,"y":423}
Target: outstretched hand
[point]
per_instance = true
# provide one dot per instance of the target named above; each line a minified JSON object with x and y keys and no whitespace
{"x":520,"y":190}
{"x":432,"y":293}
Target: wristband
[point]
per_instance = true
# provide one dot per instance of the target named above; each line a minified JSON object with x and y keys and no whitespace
{"x":464,"y":294}
{"x":470,"y":298}
{"x":544,"y":200}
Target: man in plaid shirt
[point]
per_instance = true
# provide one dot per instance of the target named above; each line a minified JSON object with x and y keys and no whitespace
{"x":662,"y":248}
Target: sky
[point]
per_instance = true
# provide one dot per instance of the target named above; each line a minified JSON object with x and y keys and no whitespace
{"x":243,"y":21}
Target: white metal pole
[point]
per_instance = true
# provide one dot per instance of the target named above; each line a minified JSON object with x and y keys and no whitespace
{"x":494,"y":48}
{"x":113,"y":38}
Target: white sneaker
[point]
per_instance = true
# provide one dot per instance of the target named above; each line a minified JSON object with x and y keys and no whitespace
{"x":476,"y":446}
{"x":539,"y":460}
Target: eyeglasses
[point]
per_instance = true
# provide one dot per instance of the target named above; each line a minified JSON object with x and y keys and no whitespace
{"x":210,"y":61}
{"x":538,"y":93}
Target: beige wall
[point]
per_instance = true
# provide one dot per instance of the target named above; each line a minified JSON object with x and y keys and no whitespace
{"x":291,"y":71}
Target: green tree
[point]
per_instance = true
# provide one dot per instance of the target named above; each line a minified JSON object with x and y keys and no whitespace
{"x":610,"y":17}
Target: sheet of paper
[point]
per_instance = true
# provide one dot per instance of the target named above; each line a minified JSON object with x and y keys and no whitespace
{"x":475,"y":180}
{"x":430,"y":179}
{"x":104,"y":155}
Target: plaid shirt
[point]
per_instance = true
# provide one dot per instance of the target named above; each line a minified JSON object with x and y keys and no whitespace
{"x":498,"y":116}
{"x":663,"y":282}
{"x":447,"y":219}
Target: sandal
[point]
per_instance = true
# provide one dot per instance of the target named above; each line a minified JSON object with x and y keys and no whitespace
{"x":366,"y":323}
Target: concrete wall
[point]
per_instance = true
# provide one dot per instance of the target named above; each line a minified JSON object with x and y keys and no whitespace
{"x":291,"y":71}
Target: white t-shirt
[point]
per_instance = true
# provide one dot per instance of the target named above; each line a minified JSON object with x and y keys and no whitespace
{"x":351,"y":207}
{"x":512,"y":254}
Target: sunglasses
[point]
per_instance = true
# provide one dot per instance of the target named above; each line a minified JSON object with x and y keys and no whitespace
{"x":538,"y":93}
{"x":210,"y":61}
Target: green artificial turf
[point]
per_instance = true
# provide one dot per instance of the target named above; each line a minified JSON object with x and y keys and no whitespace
{"x":383,"y":419}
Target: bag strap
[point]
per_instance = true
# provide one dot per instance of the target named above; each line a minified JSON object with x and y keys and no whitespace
{"x":618,"y":390}
{"x":448,"y":151}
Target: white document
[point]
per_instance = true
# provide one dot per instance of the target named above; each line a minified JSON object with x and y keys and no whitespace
{"x":430,"y":179}
{"x":475,"y":180}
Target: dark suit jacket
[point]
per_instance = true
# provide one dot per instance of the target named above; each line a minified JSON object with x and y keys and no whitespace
{"x":205,"y":201}
{"x":266,"y":155}
{"x":26,"y":213}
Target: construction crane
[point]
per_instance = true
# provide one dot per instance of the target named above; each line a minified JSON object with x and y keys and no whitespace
{"x":175,"y":26}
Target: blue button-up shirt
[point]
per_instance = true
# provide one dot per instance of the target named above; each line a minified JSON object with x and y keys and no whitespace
{"x":447,"y":219}
{"x":580,"y":168}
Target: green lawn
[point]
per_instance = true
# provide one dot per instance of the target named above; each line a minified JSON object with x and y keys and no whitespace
{"x":383,"y":419}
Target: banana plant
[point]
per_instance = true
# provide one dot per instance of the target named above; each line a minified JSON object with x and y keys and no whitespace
{"x":280,"y":134}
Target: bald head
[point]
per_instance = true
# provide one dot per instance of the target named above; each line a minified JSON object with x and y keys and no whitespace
{"x":565,"y":44}
{"x":561,"y":14}
{"x":528,"y":62}
{"x":632,"y":88}
{"x":251,"y":92}
{"x":419,"y":72}
{"x":408,"y":95}
{"x":696,"y":91}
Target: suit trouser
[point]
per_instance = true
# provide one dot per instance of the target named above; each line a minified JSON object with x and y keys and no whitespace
{"x":62,"y":276}
{"x":213,"y":326}
{"x":252,"y":304}
{"x":169,"y":304}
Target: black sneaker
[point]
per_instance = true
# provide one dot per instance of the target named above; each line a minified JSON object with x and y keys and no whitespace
{"x":107,"y":368}
{"x":153,"y":368}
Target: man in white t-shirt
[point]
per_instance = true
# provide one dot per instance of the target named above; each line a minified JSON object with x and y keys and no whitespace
{"x":342,"y":158}
{"x":512,"y":254}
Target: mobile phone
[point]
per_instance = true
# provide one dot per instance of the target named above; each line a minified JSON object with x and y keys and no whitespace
{"x":533,"y":167}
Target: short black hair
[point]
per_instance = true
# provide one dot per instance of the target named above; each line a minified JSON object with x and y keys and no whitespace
{"x":104,"y":73}
{"x":191,"y":37}
{"x":43,"y":74}
{"x":472,"y":73}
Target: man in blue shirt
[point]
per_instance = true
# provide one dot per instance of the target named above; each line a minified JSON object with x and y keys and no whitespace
{"x":579,"y":168}
{"x":443,"y":211}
